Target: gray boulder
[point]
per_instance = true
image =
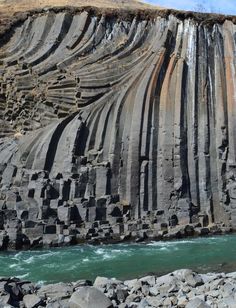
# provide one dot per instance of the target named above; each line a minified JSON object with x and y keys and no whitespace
{"x":150,"y":280}
{"x":133,"y":284}
{"x":61,"y":303}
{"x":55,"y":291}
{"x":31,"y":301}
{"x":88,"y":297}
{"x":190,"y":277}
{"x":102,"y":282}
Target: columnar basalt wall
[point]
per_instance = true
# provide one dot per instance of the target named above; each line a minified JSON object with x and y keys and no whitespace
{"x":107,"y":119}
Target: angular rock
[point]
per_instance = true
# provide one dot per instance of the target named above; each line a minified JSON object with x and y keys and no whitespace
{"x":102,"y":282}
{"x":55,"y":291}
{"x":32,"y":301}
{"x":87,"y":297}
{"x":188,"y":276}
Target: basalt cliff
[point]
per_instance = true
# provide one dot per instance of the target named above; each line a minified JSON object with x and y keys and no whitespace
{"x":116,"y":123}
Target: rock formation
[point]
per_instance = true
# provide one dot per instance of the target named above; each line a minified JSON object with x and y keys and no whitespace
{"x":109,"y":116}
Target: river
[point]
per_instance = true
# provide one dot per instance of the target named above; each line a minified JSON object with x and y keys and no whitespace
{"x":123,"y":261}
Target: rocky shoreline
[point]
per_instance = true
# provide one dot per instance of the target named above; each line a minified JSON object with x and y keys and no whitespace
{"x":181,"y":288}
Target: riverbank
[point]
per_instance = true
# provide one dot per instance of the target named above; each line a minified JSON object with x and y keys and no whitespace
{"x":181,"y":288}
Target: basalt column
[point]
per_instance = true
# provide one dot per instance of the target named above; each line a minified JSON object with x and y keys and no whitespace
{"x":104,"y":118}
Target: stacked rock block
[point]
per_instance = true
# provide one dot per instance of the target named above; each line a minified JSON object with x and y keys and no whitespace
{"x":116,"y":125}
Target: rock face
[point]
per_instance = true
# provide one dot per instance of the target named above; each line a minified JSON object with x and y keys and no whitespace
{"x":107,"y":118}
{"x":182,"y":288}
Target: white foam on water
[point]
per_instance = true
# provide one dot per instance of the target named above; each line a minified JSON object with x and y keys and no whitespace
{"x":85,"y":260}
{"x":171,"y":243}
{"x":71,"y":268}
{"x":120,"y":251}
{"x":100,"y":251}
{"x":17,"y":256}
{"x":52,"y":265}
{"x":23,"y":276}
{"x":164,"y":249}
{"x":108,"y":256}
{"x":45,"y":256}
{"x":41,"y":283}
{"x":13,"y":265}
{"x":29,"y":260}
{"x":78,"y":249}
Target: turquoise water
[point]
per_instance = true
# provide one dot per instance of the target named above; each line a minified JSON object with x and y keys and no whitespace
{"x":123,"y":261}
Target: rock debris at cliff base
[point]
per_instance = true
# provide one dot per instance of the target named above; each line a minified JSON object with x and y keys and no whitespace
{"x":116,"y":126}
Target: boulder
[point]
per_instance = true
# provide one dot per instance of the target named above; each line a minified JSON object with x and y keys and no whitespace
{"x":168,"y":279}
{"x":134,"y":283}
{"x":102,"y":282}
{"x":55,"y":291}
{"x":150,"y":280}
{"x":31,"y":301}
{"x":154,"y":291}
{"x":60,"y":303}
{"x":188,"y":276}
{"x":88,"y":297}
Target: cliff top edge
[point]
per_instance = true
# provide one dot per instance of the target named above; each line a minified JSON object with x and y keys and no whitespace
{"x":13,"y":12}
